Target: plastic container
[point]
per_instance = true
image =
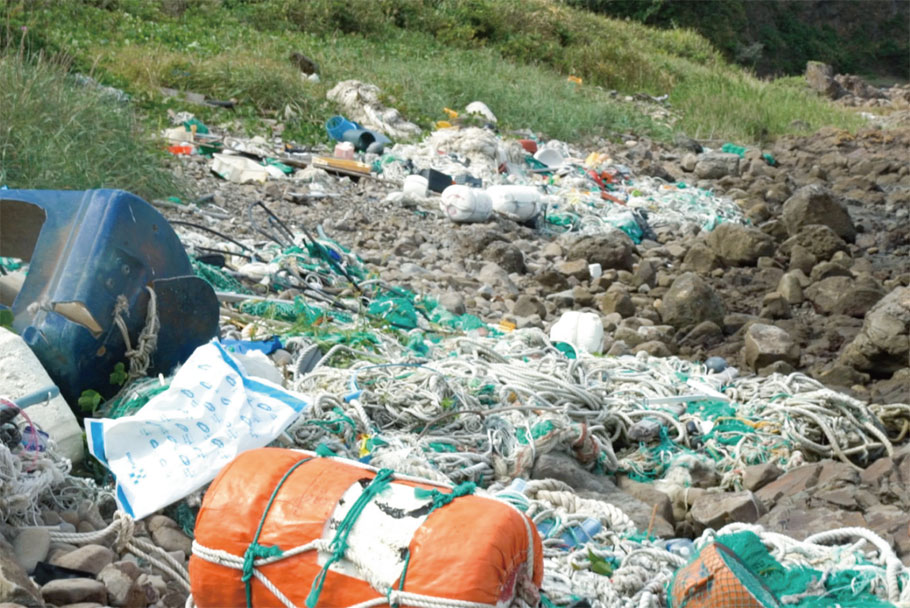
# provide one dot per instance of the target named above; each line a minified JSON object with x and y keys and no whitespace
{"x":583,"y":330}
{"x":595,"y":270}
{"x":345,"y":150}
{"x":575,"y":535}
{"x":239,"y":169}
{"x":519,"y":203}
{"x":20,"y":374}
{"x":550,"y":157}
{"x":415,"y":185}
{"x":717,"y":578}
{"x":465,"y":205}
{"x":437,"y":181}
{"x":337,"y":125}
{"x":86,"y":250}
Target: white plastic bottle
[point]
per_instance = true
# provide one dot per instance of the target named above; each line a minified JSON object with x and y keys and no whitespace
{"x":519,"y":203}
{"x":464,"y":205}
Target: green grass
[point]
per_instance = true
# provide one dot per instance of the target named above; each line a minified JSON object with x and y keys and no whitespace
{"x":58,"y":134}
{"x":515,"y":55}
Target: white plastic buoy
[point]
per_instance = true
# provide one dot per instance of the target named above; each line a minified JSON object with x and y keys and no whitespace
{"x":519,"y":203}
{"x":583,"y":330}
{"x":415,"y":185}
{"x":21,"y":374}
{"x":463,"y":204}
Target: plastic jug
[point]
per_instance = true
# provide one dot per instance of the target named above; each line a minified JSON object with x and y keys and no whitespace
{"x":463,"y":205}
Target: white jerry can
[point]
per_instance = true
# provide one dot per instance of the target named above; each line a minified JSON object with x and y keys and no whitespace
{"x":463,"y":204}
{"x":519,"y":203}
{"x":583,"y":330}
{"x":21,"y":374}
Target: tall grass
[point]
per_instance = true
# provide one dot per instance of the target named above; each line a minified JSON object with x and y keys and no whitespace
{"x":58,"y":134}
{"x":425,"y":54}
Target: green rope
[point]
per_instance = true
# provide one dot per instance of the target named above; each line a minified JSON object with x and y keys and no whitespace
{"x":441,"y":499}
{"x":404,"y":573}
{"x":255,"y":550}
{"x":324,"y":451}
{"x":339,"y":543}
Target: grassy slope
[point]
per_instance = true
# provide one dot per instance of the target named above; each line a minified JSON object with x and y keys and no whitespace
{"x":425,"y":54}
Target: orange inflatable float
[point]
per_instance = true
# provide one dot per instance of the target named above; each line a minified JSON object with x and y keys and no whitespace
{"x":717,"y":578}
{"x":290,"y":528}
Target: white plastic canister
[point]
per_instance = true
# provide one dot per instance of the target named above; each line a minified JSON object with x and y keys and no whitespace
{"x":463,"y":204}
{"x":583,"y":330}
{"x":415,"y":185}
{"x":21,"y":374}
{"x":519,"y":203}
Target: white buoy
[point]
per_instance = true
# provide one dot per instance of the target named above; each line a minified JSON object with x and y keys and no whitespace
{"x":463,"y":204}
{"x":519,"y":203}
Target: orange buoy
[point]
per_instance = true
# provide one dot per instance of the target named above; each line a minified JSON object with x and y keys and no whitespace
{"x":717,"y":578}
{"x":332,"y":533}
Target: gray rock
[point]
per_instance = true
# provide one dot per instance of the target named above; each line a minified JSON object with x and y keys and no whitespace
{"x":15,"y":585}
{"x":774,"y":306}
{"x":881,"y":347}
{"x":688,"y":162}
{"x":689,"y":301}
{"x":574,"y":268}
{"x":715,"y":165}
{"x":759,"y":475}
{"x":766,"y":344}
{"x":618,"y":301}
{"x":802,"y":259}
{"x":705,"y":334}
{"x":701,"y":259}
{"x":820,"y":77}
{"x":791,"y":288}
{"x":645,"y":274}
{"x":814,"y":204}
{"x":739,"y":245}
{"x":494,"y":275}
{"x":453,"y":302}
{"x":119,"y":586}
{"x":823,"y":270}
{"x":32,"y":546}
{"x":89,"y":558}
{"x":172,"y":539}
{"x":715,"y":510}
{"x":526,"y":306}
{"x":842,"y":296}
{"x":654,"y":348}
{"x":611,"y":249}
{"x":72,"y":590}
{"x":507,"y":255}
{"x":818,"y":239}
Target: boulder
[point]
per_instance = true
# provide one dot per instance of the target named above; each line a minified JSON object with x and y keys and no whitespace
{"x":820,"y":77}
{"x":507,"y":255}
{"x":617,"y":300}
{"x":689,"y":301}
{"x":766,"y":344}
{"x":701,"y":259}
{"x":527,"y":305}
{"x":89,"y":558}
{"x":774,"y":306}
{"x":757,"y":476}
{"x":574,"y":268}
{"x":65,"y":591}
{"x":715,"y":165}
{"x":610,"y":249}
{"x":881,"y":347}
{"x":714,"y":510}
{"x":791,"y":288}
{"x":32,"y":546}
{"x":818,"y":239}
{"x":814,"y":204}
{"x":739,"y":245}
{"x":453,"y":302}
{"x":842,"y":295}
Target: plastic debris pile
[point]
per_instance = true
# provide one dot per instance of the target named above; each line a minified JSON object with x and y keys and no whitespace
{"x":396,"y":382}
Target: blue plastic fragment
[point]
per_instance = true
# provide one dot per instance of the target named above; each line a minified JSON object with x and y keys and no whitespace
{"x":716,"y":364}
{"x":244,"y":346}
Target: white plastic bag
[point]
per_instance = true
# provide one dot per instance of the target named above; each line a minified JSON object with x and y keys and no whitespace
{"x":183,"y":437}
{"x":583,"y":330}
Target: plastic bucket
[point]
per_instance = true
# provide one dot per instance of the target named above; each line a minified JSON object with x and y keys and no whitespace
{"x":337,"y":125}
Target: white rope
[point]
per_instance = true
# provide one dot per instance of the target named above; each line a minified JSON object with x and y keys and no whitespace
{"x":140,"y":357}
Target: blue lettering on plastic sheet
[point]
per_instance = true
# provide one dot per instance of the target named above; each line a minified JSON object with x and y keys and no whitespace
{"x":187,"y":433}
